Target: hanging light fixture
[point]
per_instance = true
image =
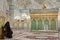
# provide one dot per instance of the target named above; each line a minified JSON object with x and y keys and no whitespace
{"x":17,"y":17}
{"x":44,"y":6}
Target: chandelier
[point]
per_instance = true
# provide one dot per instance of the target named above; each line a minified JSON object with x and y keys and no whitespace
{"x":44,"y":6}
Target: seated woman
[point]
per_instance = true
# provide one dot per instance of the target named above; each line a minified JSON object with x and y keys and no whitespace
{"x":7,"y":30}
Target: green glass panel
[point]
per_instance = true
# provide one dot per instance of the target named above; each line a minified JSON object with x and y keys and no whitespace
{"x":40,"y":24}
{"x":53,"y":24}
{"x":33,"y":25}
{"x":46,"y":22}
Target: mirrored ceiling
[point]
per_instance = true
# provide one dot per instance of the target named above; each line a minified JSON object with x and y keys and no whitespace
{"x":31,"y":4}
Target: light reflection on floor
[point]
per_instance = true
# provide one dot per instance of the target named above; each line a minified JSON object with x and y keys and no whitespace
{"x":23,"y":35}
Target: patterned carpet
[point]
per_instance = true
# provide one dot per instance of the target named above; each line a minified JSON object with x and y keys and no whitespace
{"x":23,"y":35}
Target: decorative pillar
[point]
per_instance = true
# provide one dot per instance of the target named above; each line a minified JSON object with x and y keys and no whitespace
{"x":43,"y":23}
{"x":30,"y":25}
{"x":10,"y":12}
{"x":57,"y":23}
{"x":50,"y":23}
{"x":36,"y":24}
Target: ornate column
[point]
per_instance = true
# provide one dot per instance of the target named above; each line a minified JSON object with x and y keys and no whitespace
{"x":49,"y":22}
{"x":36,"y":24}
{"x":10,"y":12}
{"x":43,"y":22}
{"x":57,"y":23}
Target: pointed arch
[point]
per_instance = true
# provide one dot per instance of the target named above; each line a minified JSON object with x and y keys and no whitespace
{"x":39,"y":24}
{"x":46,"y":24}
{"x":53,"y":24}
{"x":33,"y":25}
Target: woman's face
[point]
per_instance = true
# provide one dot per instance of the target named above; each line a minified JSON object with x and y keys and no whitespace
{"x":4,"y":29}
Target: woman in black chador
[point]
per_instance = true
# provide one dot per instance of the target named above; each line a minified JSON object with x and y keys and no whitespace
{"x":7,"y":30}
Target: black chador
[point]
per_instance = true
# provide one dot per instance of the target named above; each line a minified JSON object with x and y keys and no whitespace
{"x":7,"y":30}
